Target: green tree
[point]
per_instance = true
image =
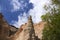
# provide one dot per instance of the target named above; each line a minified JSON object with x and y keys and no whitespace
{"x":51,"y":30}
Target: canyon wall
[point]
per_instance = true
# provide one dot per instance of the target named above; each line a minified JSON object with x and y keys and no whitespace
{"x":27,"y":31}
{"x":35,"y":30}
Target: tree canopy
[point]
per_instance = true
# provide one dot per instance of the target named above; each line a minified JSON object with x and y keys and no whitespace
{"x":51,"y":30}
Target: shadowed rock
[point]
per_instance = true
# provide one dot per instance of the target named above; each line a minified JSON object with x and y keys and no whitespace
{"x":5,"y":29}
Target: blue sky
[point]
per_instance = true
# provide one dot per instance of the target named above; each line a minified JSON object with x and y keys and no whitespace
{"x":16,"y":12}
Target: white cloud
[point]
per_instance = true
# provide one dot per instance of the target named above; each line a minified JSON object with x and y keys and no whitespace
{"x":21,"y":20}
{"x":16,"y":5}
{"x":38,"y":9}
{"x":36,"y":12}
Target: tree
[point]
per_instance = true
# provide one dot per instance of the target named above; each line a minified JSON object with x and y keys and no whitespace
{"x":51,"y":30}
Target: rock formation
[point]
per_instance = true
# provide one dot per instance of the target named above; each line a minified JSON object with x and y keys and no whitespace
{"x":30,"y":31}
{"x":5,"y":29}
{"x":27,"y":31}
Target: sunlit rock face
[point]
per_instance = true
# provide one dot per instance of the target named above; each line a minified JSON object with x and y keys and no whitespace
{"x":38,"y":29}
{"x":30,"y":31}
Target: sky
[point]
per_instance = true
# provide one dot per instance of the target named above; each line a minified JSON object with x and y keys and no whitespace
{"x":16,"y":12}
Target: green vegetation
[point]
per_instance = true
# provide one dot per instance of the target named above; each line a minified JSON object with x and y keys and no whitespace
{"x":51,"y":30}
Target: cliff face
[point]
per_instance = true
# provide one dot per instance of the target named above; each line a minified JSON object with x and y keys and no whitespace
{"x":37,"y":28}
{"x":6,"y":30}
{"x":3,"y":28}
{"x":27,"y":31}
